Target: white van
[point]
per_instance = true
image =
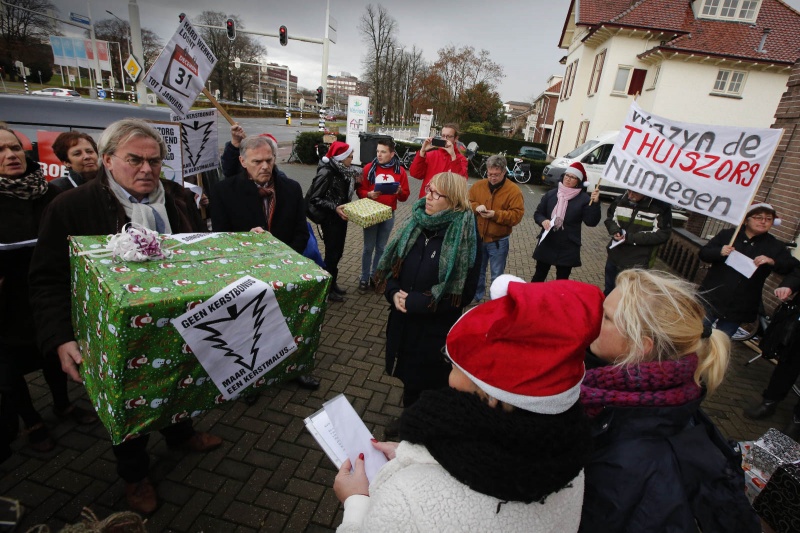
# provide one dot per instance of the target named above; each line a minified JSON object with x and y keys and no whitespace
{"x":594,"y":155}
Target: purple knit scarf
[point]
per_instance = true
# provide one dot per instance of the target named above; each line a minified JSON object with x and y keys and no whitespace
{"x":654,"y":384}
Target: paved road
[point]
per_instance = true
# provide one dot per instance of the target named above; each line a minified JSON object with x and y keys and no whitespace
{"x":270,"y":475}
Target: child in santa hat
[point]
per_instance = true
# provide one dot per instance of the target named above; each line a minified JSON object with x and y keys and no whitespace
{"x":503,"y":448}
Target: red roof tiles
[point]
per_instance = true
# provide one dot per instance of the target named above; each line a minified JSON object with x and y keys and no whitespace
{"x":702,"y":36}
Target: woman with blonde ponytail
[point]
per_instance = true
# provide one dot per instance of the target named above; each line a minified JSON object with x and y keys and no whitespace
{"x":659,"y":463}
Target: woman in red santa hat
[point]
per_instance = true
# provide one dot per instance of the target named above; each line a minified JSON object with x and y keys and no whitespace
{"x":502,"y":449}
{"x":561,"y":212}
{"x":335,"y":169}
{"x":659,"y":464}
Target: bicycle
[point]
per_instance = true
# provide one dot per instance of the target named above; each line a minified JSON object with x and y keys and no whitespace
{"x":408,"y":158}
{"x":470,"y":153}
{"x":521,"y":173}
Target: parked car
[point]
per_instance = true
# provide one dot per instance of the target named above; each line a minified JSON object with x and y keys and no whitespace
{"x":531,"y":152}
{"x":52,"y":91}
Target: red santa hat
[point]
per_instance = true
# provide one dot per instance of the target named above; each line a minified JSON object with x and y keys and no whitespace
{"x":576,"y":169}
{"x":338,"y":151}
{"x":763,"y":206}
{"x":526,"y":347}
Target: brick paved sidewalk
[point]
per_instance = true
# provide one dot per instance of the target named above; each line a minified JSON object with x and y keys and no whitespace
{"x":269,"y":475}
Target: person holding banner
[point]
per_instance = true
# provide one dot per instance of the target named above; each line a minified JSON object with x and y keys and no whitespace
{"x":659,"y":464}
{"x":127,"y":189}
{"x":733,"y":297}
{"x":638,"y":225}
{"x":78,"y":152}
{"x":561,"y":213}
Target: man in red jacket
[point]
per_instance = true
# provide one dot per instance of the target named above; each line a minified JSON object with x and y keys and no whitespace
{"x":432,"y":160}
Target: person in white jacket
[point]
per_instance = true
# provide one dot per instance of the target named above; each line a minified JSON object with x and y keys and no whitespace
{"x":502,"y":449}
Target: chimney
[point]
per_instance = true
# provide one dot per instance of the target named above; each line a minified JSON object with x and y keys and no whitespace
{"x":760,"y":49}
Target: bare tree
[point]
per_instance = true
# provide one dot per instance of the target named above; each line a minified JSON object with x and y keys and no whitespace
{"x":377,"y":30}
{"x":118,"y":31}
{"x":21,"y":30}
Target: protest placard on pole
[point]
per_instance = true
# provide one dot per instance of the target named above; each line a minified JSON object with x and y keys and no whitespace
{"x":199,"y":135}
{"x":709,"y":169}
{"x":172,"y":164}
{"x":181,"y":69}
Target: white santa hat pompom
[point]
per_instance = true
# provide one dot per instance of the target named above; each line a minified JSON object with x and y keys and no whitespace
{"x":499,"y":286}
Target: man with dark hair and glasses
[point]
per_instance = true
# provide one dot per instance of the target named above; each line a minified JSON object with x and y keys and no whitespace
{"x":127,"y":189}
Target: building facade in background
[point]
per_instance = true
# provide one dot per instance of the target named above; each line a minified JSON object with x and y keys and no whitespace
{"x":539,"y":125}
{"x":342,"y":86}
{"x":723,"y":62}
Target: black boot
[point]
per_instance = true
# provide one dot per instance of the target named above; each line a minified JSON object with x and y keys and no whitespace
{"x":763,"y":410}
{"x":338,"y":290}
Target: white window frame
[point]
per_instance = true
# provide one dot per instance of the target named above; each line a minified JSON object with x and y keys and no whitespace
{"x":724,"y":86}
{"x":624,"y":90}
{"x":734,"y":10}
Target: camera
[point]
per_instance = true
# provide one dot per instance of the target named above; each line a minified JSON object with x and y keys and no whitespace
{"x":438,"y":141}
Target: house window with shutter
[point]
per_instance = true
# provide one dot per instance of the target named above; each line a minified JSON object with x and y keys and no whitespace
{"x":574,"y":75}
{"x":729,"y":82}
{"x":556,"y":139}
{"x":583,"y":128}
{"x":629,"y":80}
{"x":594,"y":82}
{"x":655,"y":78}
{"x":565,"y":83}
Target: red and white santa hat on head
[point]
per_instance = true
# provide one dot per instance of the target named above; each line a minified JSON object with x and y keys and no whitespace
{"x":269,"y":136}
{"x":526,"y":347}
{"x":764,"y":206}
{"x":576,"y":169}
{"x":337,"y":151}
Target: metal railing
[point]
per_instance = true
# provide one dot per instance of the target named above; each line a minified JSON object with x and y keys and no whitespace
{"x":681,"y":255}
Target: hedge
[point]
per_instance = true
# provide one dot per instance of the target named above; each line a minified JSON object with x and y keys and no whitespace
{"x":495,"y":143}
{"x":305,"y":145}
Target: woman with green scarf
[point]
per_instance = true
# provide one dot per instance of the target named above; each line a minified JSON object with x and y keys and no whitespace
{"x":429,"y":273}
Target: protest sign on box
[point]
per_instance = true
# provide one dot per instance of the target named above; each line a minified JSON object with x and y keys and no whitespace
{"x":142,"y":375}
{"x":708,"y":169}
{"x":181,"y":69}
{"x":199,"y":136}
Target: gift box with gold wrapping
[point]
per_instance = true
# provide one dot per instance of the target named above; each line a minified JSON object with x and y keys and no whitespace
{"x":367,"y":212}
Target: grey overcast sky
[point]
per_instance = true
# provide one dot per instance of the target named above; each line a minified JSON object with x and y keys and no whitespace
{"x":521,"y":35}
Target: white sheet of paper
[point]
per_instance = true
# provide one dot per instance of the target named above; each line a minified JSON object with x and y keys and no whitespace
{"x":354,"y":435}
{"x":321,"y":428}
{"x":198,"y":190}
{"x":544,"y":233}
{"x":617,"y":243}
{"x":741,"y":264}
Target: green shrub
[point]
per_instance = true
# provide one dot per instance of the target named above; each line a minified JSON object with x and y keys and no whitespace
{"x":494,"y":144}
{"x":306,"y":143}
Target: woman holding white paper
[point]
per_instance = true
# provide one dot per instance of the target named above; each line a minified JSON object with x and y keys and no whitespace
{"x":504,"y":447}
{"x":733,"y":298}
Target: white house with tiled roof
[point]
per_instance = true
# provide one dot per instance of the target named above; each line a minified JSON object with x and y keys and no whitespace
{"x":720,"y":62}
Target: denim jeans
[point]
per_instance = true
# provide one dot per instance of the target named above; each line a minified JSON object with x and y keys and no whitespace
{"x":611,"y":272}
{"x":494,"y":254}
{"x":728,"y":327}
{"x":375,"y":239}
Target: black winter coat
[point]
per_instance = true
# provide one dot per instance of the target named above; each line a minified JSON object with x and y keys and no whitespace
{"x":658,"y":469}
{"x":19,"y":222}
{"x":238,"y":207}
{"x":90,"y":209}
{"x":731,"y":295}
{"x":563,"y":247}
{"x":414,"y":339}
{"x":339,"y":189}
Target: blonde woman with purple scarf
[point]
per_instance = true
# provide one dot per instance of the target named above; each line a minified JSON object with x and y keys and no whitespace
{"x":562,"y":211}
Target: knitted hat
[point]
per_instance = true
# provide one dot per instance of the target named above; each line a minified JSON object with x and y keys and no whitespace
{"x":576,"y":169}
{"x":763,"y":206}
{"x":338,"y":151}
{"x":526,"y":348}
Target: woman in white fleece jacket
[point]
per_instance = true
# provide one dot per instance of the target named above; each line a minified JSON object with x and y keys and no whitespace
{"x":503,"y":448}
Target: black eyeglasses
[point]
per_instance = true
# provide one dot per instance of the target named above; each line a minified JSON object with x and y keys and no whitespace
{"x":434,"y":194}
{"x":445,"y":357}
{"x":136,"y":162}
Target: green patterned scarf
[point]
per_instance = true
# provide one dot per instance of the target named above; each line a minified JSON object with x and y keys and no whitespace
{"x":455,"y":259}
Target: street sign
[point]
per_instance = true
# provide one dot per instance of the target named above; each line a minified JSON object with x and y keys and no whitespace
{"x":101,"y":94}
{"x":133,"y":68}
{"x":80,"y":19}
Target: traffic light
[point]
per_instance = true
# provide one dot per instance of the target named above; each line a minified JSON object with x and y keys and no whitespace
{"x":283,"y":35}
{"x":182,"y":16}
{"x":231,"y":27}
{"x":320,"y":95}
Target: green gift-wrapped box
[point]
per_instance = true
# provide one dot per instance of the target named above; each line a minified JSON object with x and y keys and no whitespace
{"x":366,"y":212}
{"x":166,"y":340}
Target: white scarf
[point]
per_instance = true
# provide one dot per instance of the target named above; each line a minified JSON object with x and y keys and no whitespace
{"x":139,"y":213}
